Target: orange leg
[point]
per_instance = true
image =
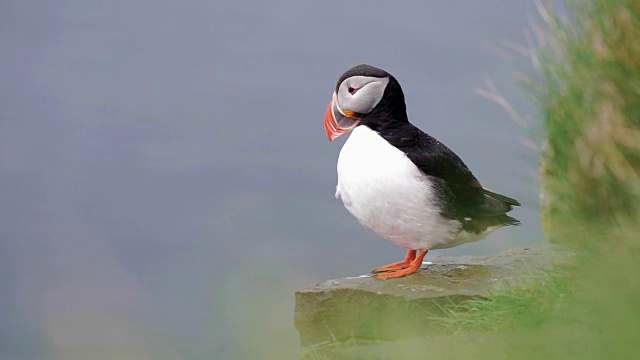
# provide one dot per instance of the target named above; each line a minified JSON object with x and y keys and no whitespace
{"x":413,"y":267}
{"x":411,"y":254}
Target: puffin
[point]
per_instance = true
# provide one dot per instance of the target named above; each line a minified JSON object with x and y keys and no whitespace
{"x":398,"y":181}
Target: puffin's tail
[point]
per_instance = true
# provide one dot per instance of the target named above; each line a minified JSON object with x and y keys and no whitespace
{"x":483,"y":223}
{"x":500,"y":197}
{"x":496,"y":204}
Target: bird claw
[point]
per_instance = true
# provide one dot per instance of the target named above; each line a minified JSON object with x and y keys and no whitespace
{"x":402,"y":268}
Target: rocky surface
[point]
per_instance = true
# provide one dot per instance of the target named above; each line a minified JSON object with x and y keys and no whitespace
{"x":367,"y":308}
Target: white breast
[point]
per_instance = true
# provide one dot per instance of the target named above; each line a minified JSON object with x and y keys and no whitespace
{"x":389,"y":195}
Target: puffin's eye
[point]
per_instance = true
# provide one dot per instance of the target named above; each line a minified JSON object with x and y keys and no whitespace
{"x":352,"y":90}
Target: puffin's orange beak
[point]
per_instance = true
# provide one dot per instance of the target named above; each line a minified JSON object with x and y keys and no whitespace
{"x":337,"y":122}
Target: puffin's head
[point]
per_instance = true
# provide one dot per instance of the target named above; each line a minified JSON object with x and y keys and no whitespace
{"x":358,"y":92}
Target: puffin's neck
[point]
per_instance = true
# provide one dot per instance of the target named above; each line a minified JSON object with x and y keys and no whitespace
{"x":390,"y":112}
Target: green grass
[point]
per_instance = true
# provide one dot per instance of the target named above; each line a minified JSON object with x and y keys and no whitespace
{"x":514,"y":306}
{"x":590,"y":97}
{"x":591,"y":68}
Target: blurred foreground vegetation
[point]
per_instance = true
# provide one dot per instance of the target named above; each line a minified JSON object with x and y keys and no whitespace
{"x":589,"y":306}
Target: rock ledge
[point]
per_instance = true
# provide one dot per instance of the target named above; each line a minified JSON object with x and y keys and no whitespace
{"x":366,"y":308}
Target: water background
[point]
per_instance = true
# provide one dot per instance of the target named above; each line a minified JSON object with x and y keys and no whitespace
{"x":165,"y":178}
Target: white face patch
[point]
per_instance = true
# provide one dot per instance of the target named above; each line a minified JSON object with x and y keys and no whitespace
{"x":361,"y":93}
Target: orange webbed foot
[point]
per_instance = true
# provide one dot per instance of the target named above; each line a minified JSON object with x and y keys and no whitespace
{"x":411,"y":255}
{"x":412,"y":267}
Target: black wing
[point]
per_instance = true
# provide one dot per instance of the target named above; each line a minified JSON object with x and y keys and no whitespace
{"x":462,"y":196}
